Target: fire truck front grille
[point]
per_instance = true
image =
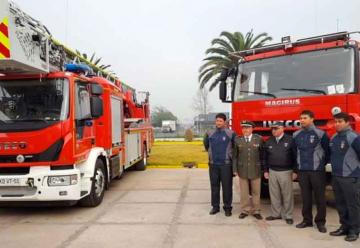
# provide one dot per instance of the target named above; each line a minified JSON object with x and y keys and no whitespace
{"x":12,"y":159}
{"x":17,"y":191}
{"x":50,"y":154}
{"x":14,"y":171}
{"x":7,"y":159}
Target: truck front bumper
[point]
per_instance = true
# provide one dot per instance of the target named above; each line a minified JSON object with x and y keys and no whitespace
{"x":34,"y":186}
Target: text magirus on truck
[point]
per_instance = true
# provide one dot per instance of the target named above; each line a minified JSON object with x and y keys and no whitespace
{"x":67,"y":127}
{"x":276,"y":82}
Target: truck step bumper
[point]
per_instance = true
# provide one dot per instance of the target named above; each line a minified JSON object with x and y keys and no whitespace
{"x":34,"y":186}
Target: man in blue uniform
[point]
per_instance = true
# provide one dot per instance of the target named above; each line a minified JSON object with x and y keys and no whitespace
{"x":219,"y":143}
{"x":345,"y":162}
{"x":312,"y":148}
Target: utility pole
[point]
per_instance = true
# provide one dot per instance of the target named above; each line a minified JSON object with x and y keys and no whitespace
{"x":66,"y":21}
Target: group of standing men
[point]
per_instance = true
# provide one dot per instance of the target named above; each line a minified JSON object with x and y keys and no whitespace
{"x":282,"y":159}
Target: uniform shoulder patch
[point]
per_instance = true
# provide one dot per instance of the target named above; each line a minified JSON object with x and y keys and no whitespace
{"x":257,"y":136}
{"x":335,"y":135}
{"x":209,"y":133}
{"x":229,"y":133}
{"x":296,"y":133}
{"x":351,"y":136}
{"x":319,"y":132}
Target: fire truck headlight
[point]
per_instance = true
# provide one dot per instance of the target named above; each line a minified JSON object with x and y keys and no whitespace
{"x":351,"y":43}
{"x":62,"y":180}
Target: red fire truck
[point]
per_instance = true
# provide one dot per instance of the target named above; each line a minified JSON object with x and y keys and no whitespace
{"x":276,"y":82}
{"x":67,"y":127}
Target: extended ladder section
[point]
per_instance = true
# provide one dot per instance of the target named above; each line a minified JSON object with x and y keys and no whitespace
{"x":27,"y":46}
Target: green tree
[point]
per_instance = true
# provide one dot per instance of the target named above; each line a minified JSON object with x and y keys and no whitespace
{"x":220,"y":61}
{"x":160,"y":114}
{"x":93,"y":60}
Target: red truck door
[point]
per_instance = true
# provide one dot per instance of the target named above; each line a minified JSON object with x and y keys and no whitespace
{"x":84,"y":129}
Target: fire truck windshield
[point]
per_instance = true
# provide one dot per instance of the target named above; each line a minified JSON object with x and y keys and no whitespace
{"x":323,"y":72}
{"x":29,"y":102}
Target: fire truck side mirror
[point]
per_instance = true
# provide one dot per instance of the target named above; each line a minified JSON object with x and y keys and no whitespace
{"x":96,"y":89}
{"x":222,"y":91}
{"x":97,"y":107}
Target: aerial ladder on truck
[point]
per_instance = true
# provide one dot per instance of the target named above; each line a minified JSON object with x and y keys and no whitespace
{"x":67,"y":126}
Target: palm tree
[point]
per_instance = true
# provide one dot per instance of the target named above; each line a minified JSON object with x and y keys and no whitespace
{"x":93,"y":60}
{"x":219,"y":58}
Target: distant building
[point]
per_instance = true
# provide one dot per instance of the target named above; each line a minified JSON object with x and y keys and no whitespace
{"x":204,"y":122}
{"x":168,"y":126}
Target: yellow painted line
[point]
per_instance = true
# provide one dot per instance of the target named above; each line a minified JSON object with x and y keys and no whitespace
{"x":164,"y":166}
{"x":203,"y":166}
{"x":177,"y":143}
{"x":200,"y":166}
{"x":4,"y":40}
{"x":2,"y":56}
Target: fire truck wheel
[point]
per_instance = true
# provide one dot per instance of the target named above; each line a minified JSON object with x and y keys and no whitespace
{"x":97,"y":188}
{"x":141,"y":165}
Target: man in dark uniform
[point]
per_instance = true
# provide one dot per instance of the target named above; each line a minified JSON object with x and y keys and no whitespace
{"x":219,"y":143}
{"x":247,"y":160}
{"x":345,"y":163}
{"x":312,"y":148}
{"x":279,"y":162}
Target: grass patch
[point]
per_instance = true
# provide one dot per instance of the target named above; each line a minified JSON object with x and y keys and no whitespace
{"x":177,"y":153}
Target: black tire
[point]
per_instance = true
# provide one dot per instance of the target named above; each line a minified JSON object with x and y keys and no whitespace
{"x":97,"y":187}
{"x":141,"y":165}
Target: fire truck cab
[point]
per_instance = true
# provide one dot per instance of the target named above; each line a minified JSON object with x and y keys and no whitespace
{"x":276,"y":82}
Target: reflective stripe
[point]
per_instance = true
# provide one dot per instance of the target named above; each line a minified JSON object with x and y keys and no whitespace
{"x":4,"y":39}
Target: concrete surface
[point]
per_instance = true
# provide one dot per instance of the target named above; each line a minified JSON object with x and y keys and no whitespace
{"x":158,"y":208}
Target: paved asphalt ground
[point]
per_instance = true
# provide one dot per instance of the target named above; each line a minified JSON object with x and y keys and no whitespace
{"x":157,"y":208}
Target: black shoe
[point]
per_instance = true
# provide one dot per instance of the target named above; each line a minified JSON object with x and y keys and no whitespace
{"x":258,"y":216}
{"x":303,"y":225}
{"x":289,"y":221}
{"x":228,"y":213}
{"x":270,"y":218}
{"x":339,"y":232}
{"x":321,"y":228}
{"x":243,"y":215}
{"x":214,"y":211}
{"x":351,"y":237}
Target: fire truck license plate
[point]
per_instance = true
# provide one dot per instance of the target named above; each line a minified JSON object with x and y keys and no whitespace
{"x":9,"y":181}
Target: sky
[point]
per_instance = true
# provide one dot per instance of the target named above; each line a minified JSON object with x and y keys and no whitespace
{"x":158,"y":46}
